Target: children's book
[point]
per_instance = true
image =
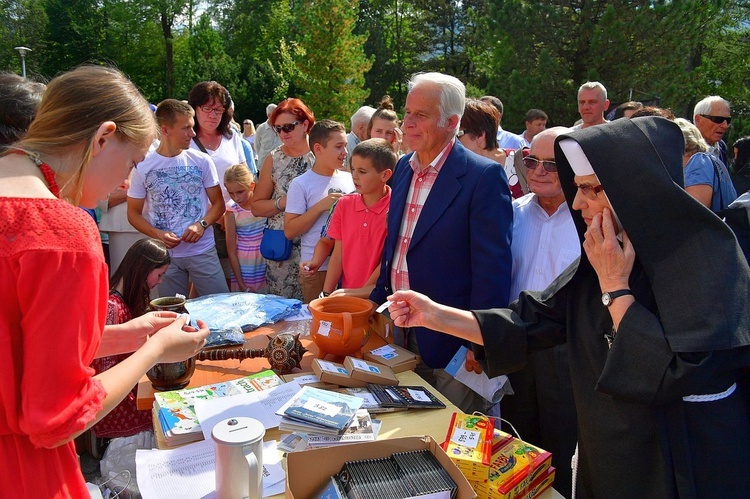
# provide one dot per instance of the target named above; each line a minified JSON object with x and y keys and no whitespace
{"x":176,"y":411}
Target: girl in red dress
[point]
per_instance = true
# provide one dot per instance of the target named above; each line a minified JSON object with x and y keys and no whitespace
{"x":130,"y":286}
{"x":92,"y":127}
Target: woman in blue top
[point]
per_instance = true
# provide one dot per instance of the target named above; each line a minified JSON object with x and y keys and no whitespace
{"x":706,"y":177}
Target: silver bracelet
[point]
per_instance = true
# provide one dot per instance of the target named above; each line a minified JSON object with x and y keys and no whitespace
{"x":276,"y":203}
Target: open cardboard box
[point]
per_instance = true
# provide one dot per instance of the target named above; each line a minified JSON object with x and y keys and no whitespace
{"x":307,"y":471}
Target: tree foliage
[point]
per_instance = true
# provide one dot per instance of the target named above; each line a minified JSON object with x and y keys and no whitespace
{"x":340,"y":54}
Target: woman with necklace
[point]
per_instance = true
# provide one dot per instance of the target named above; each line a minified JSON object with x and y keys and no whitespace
{"x":292,"y":121}
{"x":92,"y":127}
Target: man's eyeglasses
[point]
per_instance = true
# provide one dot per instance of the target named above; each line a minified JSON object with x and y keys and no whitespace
{"x":209,"y":109}
{"x":718,"y":119}
{"x":590,"y":191}
{"x":286,"y":128}
{"x":460,"y":133}
{"x":531,"y":163}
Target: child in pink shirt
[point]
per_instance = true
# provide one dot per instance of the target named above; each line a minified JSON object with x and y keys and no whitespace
{"x":357,"y":228}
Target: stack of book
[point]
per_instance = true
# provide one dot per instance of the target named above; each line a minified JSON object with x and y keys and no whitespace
{"x":176,"y":412}
{"x":321,"y":413}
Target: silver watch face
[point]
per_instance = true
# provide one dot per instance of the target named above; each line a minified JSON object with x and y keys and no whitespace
{"x":606,"y":299}
{"x":204,"y":224}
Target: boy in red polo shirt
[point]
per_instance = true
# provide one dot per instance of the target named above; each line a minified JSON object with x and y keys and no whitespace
{"x":357,"y":228}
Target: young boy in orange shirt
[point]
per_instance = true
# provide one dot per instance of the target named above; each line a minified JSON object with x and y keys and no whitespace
{"x":357,"y":228}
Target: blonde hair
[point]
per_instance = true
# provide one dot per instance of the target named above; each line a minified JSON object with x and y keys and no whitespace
{"x":240,"y":174}
{"x":73,"y":108}
{"x":694,"y":141}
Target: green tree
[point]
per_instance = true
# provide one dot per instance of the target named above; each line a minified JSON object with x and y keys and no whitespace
{"x":333,"y":65}
{"x":22,"y":23}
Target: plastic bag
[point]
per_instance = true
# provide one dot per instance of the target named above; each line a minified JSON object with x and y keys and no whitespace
{"x":119,"y":458}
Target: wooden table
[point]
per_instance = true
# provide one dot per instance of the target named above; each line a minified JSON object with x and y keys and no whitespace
{"x":433,"y":422}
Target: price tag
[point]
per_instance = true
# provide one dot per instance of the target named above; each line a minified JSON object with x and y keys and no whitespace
{"x":308,"y":378}
{"x":331,"y":367}
{"x":321,"y":407}
{"x":387,"y":352}
{"x":467,"y":438}
{"x":419,"y":395}
{"x":325,"y":328}
{"x":364,"y":366}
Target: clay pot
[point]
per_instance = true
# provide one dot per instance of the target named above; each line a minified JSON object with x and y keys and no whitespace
{"x":340,"y":325}
{"x":171,"y":375}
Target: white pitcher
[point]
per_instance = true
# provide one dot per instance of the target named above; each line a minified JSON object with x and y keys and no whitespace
{"x":239,"y":458}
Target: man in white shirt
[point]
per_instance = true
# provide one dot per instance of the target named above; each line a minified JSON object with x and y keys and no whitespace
{"x":545,"y":243}
{"x":184,"y":199}
{"x":592,"y":103}
{"x":505,"y":139}
{"x":536,"y":122}
{"x":360,"y":121}
{"x":266,"y":138}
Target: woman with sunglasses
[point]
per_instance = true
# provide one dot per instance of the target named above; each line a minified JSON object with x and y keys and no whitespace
{"x":654,"y":315}
{"x":292,"y":121}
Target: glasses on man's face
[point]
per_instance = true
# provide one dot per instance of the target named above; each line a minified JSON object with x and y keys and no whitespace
{"x":286,"y":128}
{"x":590,"y":191}
{"x":531,"y":163}
{"x":460,"y":133}
{"x":209,"y":109}
{"x":718,"y":119}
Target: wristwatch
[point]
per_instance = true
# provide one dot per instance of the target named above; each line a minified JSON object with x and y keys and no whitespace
{"x":204,"y":224}
{"x":609,"y":296}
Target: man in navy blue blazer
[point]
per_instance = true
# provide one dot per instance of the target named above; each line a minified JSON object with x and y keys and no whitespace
{"x":449,"y":226}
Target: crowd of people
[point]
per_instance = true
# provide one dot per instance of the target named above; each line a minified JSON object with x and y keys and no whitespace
{"x":588,"y":264}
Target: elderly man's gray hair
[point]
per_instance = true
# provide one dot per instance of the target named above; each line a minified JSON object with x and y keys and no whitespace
{"x":705,"y":105}
{"x":362,"y":116}
{"x":594,"y":85}
{"x":269,"y":109}
{"x":452,"y":94}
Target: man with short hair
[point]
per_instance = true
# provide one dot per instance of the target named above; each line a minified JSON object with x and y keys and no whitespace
{"x":449,"y":226}
{"x":545,"y":243}
{"x":266,"y":138}
{"x":712,"y":115}
{"x":536,"y":122}
{"x":184,"y":200}
{"x":592,"y":103}
{"x":360,"y":121}
{"x":505,"y":139}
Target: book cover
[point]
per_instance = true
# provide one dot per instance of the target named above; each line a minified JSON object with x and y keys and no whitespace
{"x":361,"y":429}
{"x":176,"y":410}
{"x":323,"y":407}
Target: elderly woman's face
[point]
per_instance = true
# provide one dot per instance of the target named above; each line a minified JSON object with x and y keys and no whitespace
{"x":290,"y":129}
{"x":590,"y":198}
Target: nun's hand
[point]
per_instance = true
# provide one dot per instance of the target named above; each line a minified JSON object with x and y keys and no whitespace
{"x":611,"y":261}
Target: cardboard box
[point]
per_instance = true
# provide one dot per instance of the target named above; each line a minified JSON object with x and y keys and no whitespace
{"x":399,"y":360}
{"x":370,"y":372}
{"x":335,"y":373}
{"x":307,"y":471}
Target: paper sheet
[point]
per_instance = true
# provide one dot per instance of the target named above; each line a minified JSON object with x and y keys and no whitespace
{"x":257,"y":405}
{"x":189,"y":472}
{"x":491,"y":389}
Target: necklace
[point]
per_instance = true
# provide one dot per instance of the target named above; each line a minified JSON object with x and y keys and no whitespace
{"x":49,"y":174}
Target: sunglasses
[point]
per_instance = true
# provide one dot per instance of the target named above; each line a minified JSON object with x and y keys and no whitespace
{"x":590,"y":191}
{"x":286,"y":128}
{"x":531,"y":163}
{"x":718,"y":119}
{"x":209,"y":109}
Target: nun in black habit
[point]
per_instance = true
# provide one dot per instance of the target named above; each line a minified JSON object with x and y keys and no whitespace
{"x":655,"y":317}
